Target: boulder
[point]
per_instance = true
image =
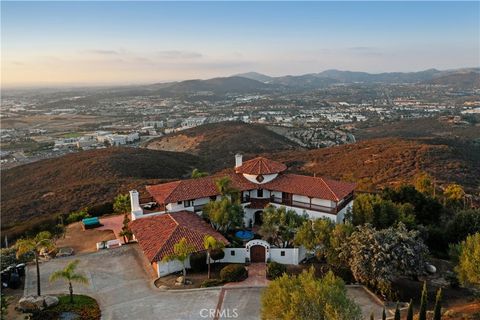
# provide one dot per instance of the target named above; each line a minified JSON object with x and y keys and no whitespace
{"x":51,"y":301}
{"x":431,"y":268}
{"x":36,"y":303}
{"x":180,"y":279}
{"x":31,"y":303}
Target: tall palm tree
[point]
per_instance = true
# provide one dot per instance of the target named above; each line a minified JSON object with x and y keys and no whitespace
{"x":43,"y":240}
{"x":211,"y":243}
{"x":68,"y":274}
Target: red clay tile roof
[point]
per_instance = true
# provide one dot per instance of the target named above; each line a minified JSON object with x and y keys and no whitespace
{"x":191,"y":189}
{"x":195,"y":188}
{"x":157,"y":235}
{"x":261,"y":165}
{"x":314,"y":187}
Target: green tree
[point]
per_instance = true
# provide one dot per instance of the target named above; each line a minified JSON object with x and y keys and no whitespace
{"x":305,"y":296}
{"x":453,"y":194}
{"x":315,"y":235}
{"x":280,"y":225}
{"x":463,"y":224}
{"x":377,"y":257}
{"x":468,"y":268}
{"x":69,"y":275}
{"x":424,"y":183}
{"x":42,"y":241}
{"x":423,"y":303}
{"x":210,"y":244}
{"x":121,"y":204}
{"x":338,"y":238}
{"x":223,"y":215}
{"x":397,"y":312}
{"x":5,"y":302}
{"x":198,"y":174}
{"x":126,"y":233}
{"x":181,"y":252}
{"x":373,"y":209}
{"x":410,"y":310}
{"x":437,"y":311}
{"x":224,"y":186}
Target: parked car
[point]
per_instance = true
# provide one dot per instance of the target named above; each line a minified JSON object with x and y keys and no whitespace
{"x":65,"y":252}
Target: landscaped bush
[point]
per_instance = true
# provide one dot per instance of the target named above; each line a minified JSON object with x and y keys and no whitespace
{"x":77,"y":216}
{"x":275,"y":270}
{"x":217,"y":254}
{"x":84,"y":306}
{"x":211,"y":283}
{"x":234,"y":273}
{"x":198,"y":261}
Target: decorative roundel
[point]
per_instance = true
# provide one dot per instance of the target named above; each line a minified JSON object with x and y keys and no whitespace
{"x":260,"y":178}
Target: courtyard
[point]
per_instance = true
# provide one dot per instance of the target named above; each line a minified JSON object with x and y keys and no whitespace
{"x":121,"y":280}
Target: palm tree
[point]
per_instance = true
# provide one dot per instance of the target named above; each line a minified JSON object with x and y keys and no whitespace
{"x":181,"y":252}
{"x":211,"y":243}
{"x":198,"y":174}
{"x":68,"y":274}
{"x":43,"y":240}
{"x":224,"y":186}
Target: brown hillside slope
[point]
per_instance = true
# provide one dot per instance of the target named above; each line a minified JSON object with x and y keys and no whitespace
{"x":389,"y":161}
{"x":45,"y":188}
{"x":217,"y":143}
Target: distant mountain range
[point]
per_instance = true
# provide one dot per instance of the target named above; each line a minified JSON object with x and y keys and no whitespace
{"x":254,"y":82}
{"x":465,"y":76}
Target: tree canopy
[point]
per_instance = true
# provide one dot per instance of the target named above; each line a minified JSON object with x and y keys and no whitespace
{"x":121,"y":204}
{"x":468,"y":269}
{"x":305,"y":297}
{"x":223,"y":214}
{"x":376,"y":257}
{"x":279,"y":225}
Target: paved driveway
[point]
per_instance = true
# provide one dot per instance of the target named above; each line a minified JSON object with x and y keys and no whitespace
{"x":122,"y":285}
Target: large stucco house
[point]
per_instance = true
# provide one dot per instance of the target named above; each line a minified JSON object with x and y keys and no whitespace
{"x":260,"y":181}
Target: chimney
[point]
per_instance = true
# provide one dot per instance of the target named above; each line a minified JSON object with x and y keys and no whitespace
{"x":238,"y":160}
{"x":135,"y":204}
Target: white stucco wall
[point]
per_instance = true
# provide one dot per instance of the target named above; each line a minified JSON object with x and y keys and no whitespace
{"x":291,"y":255}
{"x":322,"y":202}
{"x":311,"y":214}
{"x":165,"y":268}
{"x":238,"y":256}
{"x":341,"y":213}
{"x":266,"y":178}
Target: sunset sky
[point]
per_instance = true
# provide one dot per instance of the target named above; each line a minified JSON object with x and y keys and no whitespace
{"x":78,"y":43}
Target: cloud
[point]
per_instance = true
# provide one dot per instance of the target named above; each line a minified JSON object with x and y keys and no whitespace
{"x":103,"y":52}
{"x":179,"y":54}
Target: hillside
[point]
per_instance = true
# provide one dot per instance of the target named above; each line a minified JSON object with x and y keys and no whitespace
{"x":389,"y":161}
{"x":461,"y":80}
{"x":217,"y":143}
{"x":42,"y":189}
{"x":216,"y":86}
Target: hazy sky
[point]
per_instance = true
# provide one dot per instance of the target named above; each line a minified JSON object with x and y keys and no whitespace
{"x":45,"y":43}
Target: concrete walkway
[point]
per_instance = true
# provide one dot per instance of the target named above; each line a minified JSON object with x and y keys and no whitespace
{"x":257,"y":277}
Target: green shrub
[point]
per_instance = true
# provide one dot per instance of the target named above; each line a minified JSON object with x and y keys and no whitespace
{"x":198,"y":261}
{"x":101,"y":209}
{"x":217,"y":254}
{"x":77,"y":216}
{"x":211,"y":283}
{"x":234,"y":273}
{"x":275,"y":270}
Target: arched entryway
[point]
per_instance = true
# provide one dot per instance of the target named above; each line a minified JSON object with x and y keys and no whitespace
{"x":257,"y":254}
{"x":258,"y":218}
{"x":257,"y":250}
